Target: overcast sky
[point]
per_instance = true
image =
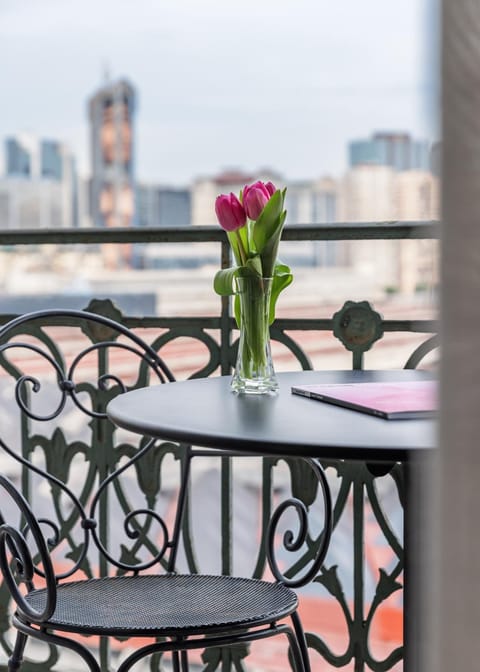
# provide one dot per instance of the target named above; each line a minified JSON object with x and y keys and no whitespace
{"x":222,"y":83}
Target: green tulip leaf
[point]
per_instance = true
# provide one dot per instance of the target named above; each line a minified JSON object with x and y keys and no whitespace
{"x":281,"y":279}
{"x":224,"y":281}
{"x":255,"y":265}
{"x":242,"y":272}
{"x":270,"y":250}
{"x":233,"y":240}
{"x":269,"y":223}
{"x":237,"y":310}
{"x":238,"y":239}
{"x":243,"y":233}
{"x":247,"y":271}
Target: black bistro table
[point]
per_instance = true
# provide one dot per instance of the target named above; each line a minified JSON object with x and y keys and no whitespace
{"x":204,"y":412}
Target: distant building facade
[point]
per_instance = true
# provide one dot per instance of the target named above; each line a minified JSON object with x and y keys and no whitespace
{"x":306,"y":202}
{"x":40,"y":185}
{"x":18,"y":158}
{"x":159,"y":206}
{"x":316,"y":202}
{"x":112,"y":196}
{"x":380,"y":193}
{"x":111,"y":111}
{"x":399,"y":151}
{"x":51,"y":159}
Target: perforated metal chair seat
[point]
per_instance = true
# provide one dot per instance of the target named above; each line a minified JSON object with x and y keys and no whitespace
{"x":170,"y":605}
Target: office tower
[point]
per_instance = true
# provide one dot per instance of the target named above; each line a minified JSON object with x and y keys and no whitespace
{"x":19,"y":156}
{"x":315,"y":202}
{"x":396,"y":150}
{"x":51,"y":159}
{"x":39,"y":189}
{"x":163,"y":206}
{"x":111,"y":126}
{"x":379,"y":193}
{"x":111,"y":111}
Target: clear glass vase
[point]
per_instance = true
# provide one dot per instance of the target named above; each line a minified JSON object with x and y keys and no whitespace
{"x":254,"y":372}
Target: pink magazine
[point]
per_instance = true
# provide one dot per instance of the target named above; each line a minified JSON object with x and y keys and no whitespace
{"x":410,"y":399}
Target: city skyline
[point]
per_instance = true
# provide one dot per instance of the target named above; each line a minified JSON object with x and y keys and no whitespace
{"x":281,"y":84}
{"x":360,"y":151}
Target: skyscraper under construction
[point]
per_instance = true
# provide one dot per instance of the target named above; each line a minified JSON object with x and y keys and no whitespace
{"x":111,"y":111}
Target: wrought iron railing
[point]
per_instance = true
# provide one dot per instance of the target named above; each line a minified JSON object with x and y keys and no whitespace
{"x":365,"y":497}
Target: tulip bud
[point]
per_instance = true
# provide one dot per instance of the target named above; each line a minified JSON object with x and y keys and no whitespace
{"x":255,"y":198}
{"x":230,"y":212}
{"x":271,"y":188}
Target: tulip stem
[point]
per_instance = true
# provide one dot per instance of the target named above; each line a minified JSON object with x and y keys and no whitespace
{"x":243,"y":256}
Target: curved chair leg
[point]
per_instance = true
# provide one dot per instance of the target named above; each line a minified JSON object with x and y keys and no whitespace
{"x":294,"y":652}
{"x":52,"y":638}
{"x":184,"y":660}
{"x":175,"y":661}
{"x":83,"y":652}
{"x":302,"y":642}
{"x":180,"y":661}
{"x":16,"y":658}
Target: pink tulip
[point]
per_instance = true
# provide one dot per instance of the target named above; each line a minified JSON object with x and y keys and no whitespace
{"x":230,"y":212}
{"x":255,"y":198}
{"x":271,"y":188}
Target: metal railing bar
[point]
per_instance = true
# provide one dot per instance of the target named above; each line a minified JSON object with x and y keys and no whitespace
{"x":391,"y":230}
{"x":284,"y":324}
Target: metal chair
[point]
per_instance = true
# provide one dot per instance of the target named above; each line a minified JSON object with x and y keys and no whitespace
{"x":74,"y":584}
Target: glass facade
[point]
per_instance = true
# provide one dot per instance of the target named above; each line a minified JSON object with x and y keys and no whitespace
{"x":397,"y":150}
{"x":18,"y":159}
{"x":51,"y":162}
{"x":163,"y":206}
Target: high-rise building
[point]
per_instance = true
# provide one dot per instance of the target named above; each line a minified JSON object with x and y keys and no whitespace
{"x":51,"y":159}
{"x":27,"y":156}
{"x":163,"y":206}
{"x":379,"y":193}
{"x":112,"y":195}
{"x":396,"y":150}
{"x":112,"y":148}
{"x":18,"y":157}
{"x":39,"y":189}
{"x":315,"y":202}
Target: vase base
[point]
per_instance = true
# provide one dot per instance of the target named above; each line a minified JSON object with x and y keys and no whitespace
{"x":254,"y":385}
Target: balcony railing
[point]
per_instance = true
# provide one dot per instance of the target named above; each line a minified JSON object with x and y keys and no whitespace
{"x":358,"y":587}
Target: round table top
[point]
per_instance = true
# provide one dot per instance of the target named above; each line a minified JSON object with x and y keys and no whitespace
{"x":204,"y":412}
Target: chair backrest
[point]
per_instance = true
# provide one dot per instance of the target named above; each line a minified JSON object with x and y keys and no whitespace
{"x":58,"y":371}
{"x":89,"y":499}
